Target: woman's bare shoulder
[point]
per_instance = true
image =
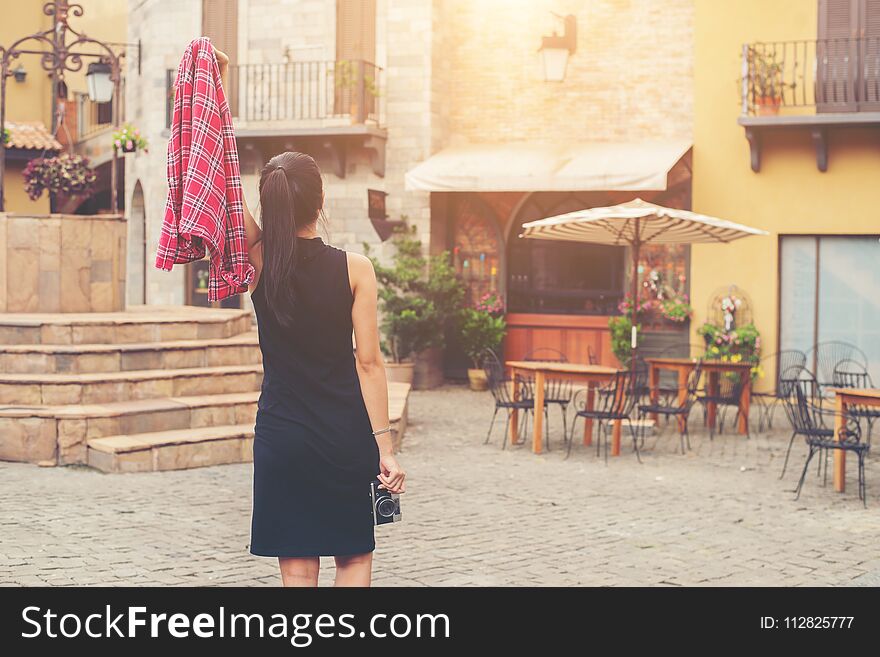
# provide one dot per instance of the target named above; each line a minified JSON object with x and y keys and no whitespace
{"x":360,"y":269}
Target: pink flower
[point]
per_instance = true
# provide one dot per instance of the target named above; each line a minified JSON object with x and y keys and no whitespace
{"x":128,"y":144}
{"x":118,"y":143}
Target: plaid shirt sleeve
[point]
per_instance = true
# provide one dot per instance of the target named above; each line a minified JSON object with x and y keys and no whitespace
{"x":204,"y":205}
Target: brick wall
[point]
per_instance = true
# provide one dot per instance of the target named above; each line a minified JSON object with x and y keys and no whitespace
{"x":630,"y":79}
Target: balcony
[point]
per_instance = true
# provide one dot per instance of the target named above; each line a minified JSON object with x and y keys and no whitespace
{"x":816,"y":85}
{"x":94,"y":127}
{"x":331,"y":105}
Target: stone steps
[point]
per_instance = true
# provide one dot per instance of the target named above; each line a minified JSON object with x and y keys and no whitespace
{"x":96,"y":388}
{"x":152,"y":388}
{"x":172,"y":450}
{"x":194,"y":447}
{"x":39,"y":433}
{"x":138,"y":324}
{"x":240,"y":349}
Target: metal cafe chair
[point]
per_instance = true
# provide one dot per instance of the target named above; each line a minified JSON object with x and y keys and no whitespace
{"x":675,"y":409}
{"x":616,"y":404}
{"x":556,"y":391}
{"x":825,"y":357}
{"x":668,"y":388}
{"x":797,"y":376}
{"x":767,"y":402}
{"x":728,"y":394}
{"x":509,"y":394}
{"x":849,"y":440}
{"x":852,"y":374}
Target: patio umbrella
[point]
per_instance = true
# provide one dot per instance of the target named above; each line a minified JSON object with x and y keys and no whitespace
{"x":635,"y":223}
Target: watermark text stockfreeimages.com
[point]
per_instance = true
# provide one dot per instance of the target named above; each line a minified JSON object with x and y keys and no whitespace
{"x":300,"y":629}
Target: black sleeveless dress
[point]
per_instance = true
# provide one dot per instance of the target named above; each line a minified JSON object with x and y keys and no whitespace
{"x":314,"y":451}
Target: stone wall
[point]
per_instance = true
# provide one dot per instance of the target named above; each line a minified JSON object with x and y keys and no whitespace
{"x":630,"y":79}
{"x":164,"y":28}
{"x":307,"y":29}
{"x":62,"y":263}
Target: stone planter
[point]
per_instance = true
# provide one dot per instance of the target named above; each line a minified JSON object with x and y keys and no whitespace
{"x":399,"y":372}
{"x":428,"y":369}
{"x":62,"y":263}
{"x":477,"y":379}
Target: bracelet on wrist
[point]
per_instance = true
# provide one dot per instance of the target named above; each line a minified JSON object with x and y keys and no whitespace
{"x":381,"y":431}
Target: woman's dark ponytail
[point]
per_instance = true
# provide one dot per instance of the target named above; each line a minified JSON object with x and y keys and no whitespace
{"x":291,"y":196}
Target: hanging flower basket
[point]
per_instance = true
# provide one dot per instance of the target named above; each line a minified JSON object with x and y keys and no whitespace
{"x":68,"y":175}
{"x":129,"y":140}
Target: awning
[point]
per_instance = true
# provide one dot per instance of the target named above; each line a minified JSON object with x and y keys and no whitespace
{"x":594,"y":166}
{"x":31,"y":135}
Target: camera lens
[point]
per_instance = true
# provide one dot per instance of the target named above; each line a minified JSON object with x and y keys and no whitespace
{"x":386,"y":507}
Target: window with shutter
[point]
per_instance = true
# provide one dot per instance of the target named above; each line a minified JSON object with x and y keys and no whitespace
{"x":356,"y":30}
{"x":220,"y":24}
{"x":837,"y":52}
{"x":355,"y":56}
{"x":848,"y":56}
{"x":869,"y":56}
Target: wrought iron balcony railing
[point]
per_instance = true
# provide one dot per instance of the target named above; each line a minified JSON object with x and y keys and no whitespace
{"x":822,"y":75}
{"x":301,"y":91}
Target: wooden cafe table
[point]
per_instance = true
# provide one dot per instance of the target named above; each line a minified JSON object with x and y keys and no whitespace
{"x":713,"y":368}
{"x":591,"y":375}
{"x":843,"y":399}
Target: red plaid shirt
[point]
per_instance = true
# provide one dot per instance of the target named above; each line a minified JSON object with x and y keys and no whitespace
{"x":204,"y":205}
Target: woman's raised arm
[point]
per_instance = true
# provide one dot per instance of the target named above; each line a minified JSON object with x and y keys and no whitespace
{"x":251,"y":229}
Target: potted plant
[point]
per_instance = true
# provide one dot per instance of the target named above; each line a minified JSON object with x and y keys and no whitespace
{"x":620,"y":327}
{"x":65,"y":174}
{"x":677,"y":308}
{"x":5,"y":136}
{"x":128,"y":139}
{"x":482,"y":327}
{"x":735,"y":345}
{"x":347,"y":78}
{"x":418,"y":298}
{"x":765,"y":80}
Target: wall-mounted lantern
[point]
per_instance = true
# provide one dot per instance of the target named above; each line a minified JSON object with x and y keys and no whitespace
{"x":100,"y":84}
{"x":383,"y":226}
{"x":555,"y":49}
{"x":19,"y":73}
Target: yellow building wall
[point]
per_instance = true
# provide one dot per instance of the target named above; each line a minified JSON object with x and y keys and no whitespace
{"x":789,"y":195}
{"x":16,"y":198}
{"x":31,"y":100}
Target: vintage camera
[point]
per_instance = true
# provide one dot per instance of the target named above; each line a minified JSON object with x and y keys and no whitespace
{"x":386,"y":506}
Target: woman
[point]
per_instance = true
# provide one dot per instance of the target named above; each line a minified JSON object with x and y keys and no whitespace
{"x":322,"y":431}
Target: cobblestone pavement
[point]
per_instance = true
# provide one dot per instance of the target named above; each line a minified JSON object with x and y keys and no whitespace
{"x":473,"y":515}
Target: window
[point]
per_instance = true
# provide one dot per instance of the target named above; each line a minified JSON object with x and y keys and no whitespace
{"x":104,"y":112}
{"x":549,"y":276}
{"x":355,"y":72}
{"x":220,"y":24}
{"x":830,"y":290}
{"x":356,"y":30}
{"x":848,"y":56}
{"x":476,"y":248}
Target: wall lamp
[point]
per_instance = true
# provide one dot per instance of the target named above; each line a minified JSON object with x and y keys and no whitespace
{"x":555,"y":49}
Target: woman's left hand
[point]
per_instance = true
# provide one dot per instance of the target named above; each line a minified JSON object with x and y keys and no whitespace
{"x":391,"y":475}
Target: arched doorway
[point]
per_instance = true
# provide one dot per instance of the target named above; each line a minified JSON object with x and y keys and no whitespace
{"x":136,"y":280}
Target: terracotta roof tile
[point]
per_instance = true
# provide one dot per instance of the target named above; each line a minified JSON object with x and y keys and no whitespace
{"x":31,"y":135}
